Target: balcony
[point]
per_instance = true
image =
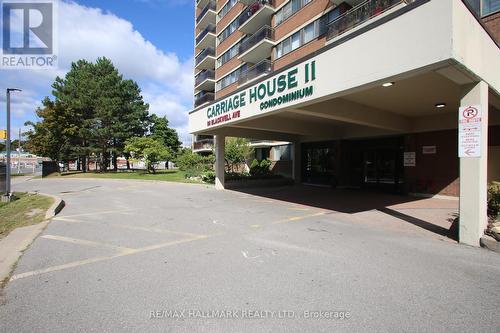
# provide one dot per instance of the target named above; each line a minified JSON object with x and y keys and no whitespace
{"x":205,"y":59}
{"x":203,"y":97}
{"x":360,"y":14}
{"x":202,"y":3}
{"x":205,"y":80}
{"x":206,"y":16}
{"x":258,"y":46}
{"x":205,"y":145}
{"x":257,"y":14}
{"x":262,"y":68}
{"x":206,"y":38}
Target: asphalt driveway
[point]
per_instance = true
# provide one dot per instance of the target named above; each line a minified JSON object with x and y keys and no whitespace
{"x":132,"y":256}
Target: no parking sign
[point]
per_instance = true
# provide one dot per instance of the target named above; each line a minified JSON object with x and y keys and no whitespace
{"x":469,"y":131}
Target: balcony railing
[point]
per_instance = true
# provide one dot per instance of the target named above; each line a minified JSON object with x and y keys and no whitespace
{"x":265,"y":32}
{"x":204,"y":75}
{"x":209,"y":6}
{"x":252,"y":9}
{"x":205,"y":98}
{"x":203,"y":54}
{"x":261,"y":68}
{"x":203,"y":144}
{"x":202,"y":34}
{"x":360,"y":14}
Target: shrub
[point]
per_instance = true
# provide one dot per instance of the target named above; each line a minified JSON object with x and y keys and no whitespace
{"x":193,"y":164}
{"x":265,"y":166}
{"x":208,"y":177}
{"x":260,"y":168}
{"x":236,"y":152}
{"x":494,"y":199}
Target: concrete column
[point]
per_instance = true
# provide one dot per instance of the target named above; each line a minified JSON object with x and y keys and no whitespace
{"x":220,"y":143}
{"x":296,"y":162}
{"x":473,"y":175}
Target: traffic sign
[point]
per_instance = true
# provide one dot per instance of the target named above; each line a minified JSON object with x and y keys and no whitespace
{"x":469,"y":131}
{"x":3,"y":134}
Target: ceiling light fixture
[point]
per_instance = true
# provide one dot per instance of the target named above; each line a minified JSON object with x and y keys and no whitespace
{"x":387,"y":84}
{"x":440,"y":105}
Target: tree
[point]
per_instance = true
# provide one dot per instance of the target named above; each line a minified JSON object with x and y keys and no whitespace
{"x":159,"y":130}
{"x":98,"y":111}
{"x":150,"y":149}
{"x":236,"y":152}
{"x":132,"y":120}
{"x":52,"y":136}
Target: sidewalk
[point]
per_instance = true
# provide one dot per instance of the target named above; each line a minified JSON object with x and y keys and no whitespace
{"x":13,"y":245}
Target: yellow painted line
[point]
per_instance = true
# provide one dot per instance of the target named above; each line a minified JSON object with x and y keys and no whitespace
{"x":62,"y":218}
{"x":88,"y":243}
{"x":101,"y":212}
{"x":133,"y":227}
{"x":159,"y":246}
{"x":99,"y":259}
{"x":299,"y":218}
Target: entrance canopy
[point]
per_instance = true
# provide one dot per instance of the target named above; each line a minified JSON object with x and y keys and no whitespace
{"x":414,"y":102}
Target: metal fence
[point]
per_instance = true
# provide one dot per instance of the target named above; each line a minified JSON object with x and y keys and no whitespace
{"x":360,"y":14}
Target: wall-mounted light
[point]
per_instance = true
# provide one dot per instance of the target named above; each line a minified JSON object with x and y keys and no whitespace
{"x":387,"y":84}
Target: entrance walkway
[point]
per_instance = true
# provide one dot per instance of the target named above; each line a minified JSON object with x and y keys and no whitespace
{"x":428,"y":216}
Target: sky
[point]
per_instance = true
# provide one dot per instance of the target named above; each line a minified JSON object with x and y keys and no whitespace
{"x":149,"y":41}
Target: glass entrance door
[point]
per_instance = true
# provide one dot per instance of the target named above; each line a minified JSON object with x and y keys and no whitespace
{"x":319,"y":165}
{"x":381,"y":168}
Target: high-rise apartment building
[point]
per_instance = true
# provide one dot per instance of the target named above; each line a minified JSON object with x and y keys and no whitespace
{"x":399,"y":95}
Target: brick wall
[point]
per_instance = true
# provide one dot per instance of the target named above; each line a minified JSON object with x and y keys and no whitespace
{"x":493,"y":24}
{"x":433,"y":173}
{"x":227,"y":90}
{"x":302,"y":51}
{"x":305,"y":14}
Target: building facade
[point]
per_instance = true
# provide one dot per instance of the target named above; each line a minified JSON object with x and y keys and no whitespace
{"x":392,"y":95}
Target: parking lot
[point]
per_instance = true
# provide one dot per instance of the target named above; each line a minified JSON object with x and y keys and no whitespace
{"x":158,"y":257}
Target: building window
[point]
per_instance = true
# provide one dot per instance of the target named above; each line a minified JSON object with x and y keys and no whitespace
{"x":306,"y":34}
{"x":229,"y":54}
{"x":490,"y":7}
{"x":262,"y":153}
{"x":230,"y":78}
{"x":281,"y":153}
{"x":228,"y":30}
{"x":293,"y":42}
{"x":289,"y":9}
{"x":485,"y":7}
{"x":227,"y":7}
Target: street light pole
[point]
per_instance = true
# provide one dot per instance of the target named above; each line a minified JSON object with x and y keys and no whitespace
{"x":7,"y":144}
{"x":19,"y":153}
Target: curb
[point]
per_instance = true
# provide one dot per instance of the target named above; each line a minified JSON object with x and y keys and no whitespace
{"x":14,"y":244}
{"x":490,"y":243}
{"x":56,"y":207}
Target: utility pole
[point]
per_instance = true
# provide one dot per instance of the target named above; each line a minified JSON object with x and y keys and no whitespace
{"x":19,"y":153}
{"x":7,"y":146}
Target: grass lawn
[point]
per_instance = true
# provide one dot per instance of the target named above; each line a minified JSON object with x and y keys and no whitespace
{"x":26,"y":209}
{"x":162,"y":175}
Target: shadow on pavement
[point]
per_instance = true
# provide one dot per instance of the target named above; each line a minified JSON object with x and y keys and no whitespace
{"x":352,"y":201}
